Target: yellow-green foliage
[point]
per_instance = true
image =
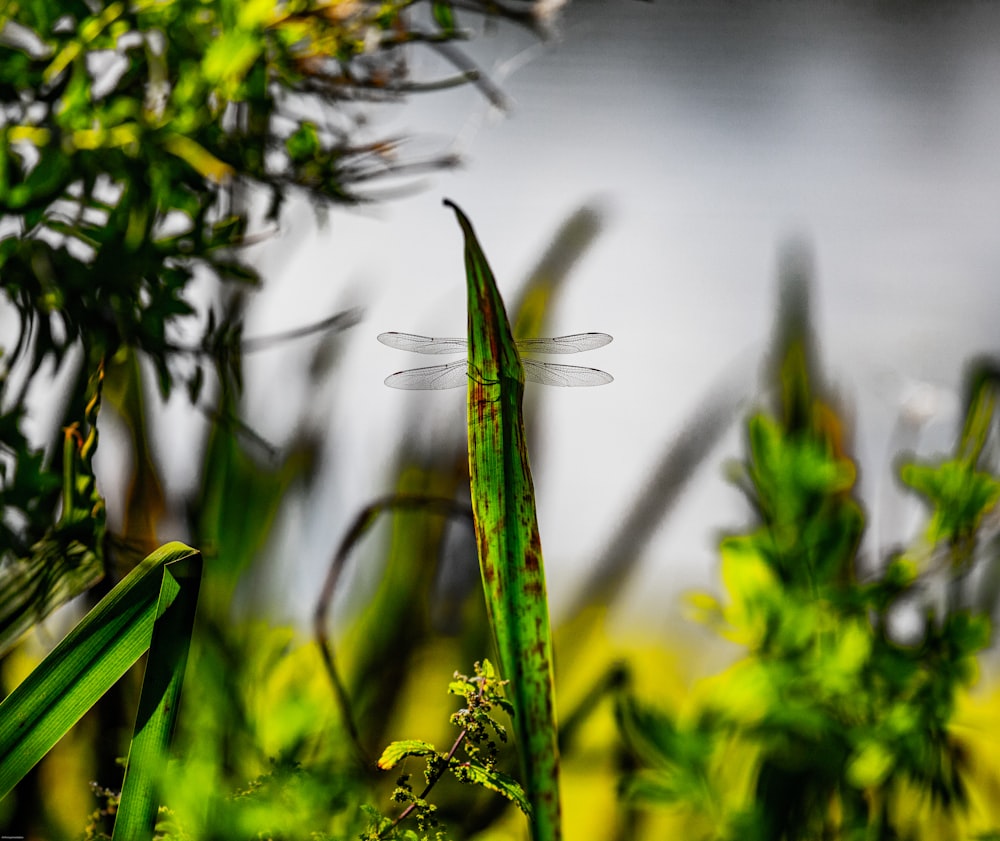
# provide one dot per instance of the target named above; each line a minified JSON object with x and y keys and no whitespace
{"x":828,"y":725}
{"x":260,"y":747}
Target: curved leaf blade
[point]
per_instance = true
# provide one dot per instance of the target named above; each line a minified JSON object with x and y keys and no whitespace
{"x":90,"y":659}
{"x":159,"y":698}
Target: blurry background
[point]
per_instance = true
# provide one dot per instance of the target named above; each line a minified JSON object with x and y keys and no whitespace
{"x":713,"y":138}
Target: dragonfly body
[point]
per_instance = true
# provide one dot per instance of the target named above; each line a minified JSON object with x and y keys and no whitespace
{"x":455,"y":374}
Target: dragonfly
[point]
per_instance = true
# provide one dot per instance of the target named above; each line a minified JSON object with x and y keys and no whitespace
{"x":454,"y":374}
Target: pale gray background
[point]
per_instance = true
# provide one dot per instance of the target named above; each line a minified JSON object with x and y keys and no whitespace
{"x":712,"y":133}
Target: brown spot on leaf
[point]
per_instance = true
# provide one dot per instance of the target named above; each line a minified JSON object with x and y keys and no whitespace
{"x":531,"y":560}
{"x":533,"y":587}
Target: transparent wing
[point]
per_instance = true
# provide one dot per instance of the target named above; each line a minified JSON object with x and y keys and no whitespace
{"x":577,"y":343}
{"x":422,"y":344}
{"x":435,"y":377}
{"x":549,"y":373}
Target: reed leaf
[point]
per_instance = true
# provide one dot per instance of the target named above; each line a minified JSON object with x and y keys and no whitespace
{"x":151,"y":608}
{"x":510,"y":553}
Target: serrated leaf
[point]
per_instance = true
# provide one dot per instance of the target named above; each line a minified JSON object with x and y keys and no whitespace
{"x":461,"y":687}
{"x":396,"y":752}
{"x":497,"y":781}
{"x":505,"y":705}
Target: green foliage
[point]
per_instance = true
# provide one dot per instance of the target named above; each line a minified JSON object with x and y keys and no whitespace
{"x":133,"y":138}
{"x":258,"y":747}
{"x":128,"y":130}
{"x":45,"y":559}
{"x":444,"y":14}
{"x":479,"y":735}
{"x":151,"y":609}
{"x":831,"y":718}
{"x":133,"y":135}
{"x":959,"y":493}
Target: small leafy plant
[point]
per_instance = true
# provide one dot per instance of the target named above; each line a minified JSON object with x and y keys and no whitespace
{"x":831,"y":725}
{"x":478,"y":738}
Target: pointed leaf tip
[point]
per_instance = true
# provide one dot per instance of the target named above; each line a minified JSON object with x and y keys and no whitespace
{"x":463,"y":220}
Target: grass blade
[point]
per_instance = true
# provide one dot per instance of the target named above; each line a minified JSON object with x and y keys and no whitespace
{"x":160,"y":695}
{"x":510,"y":554}
{"x":95,"y":654}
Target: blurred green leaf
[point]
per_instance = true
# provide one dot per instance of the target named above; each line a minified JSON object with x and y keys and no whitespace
{"x":303,"y":143}
{"x":229,"y":58}
{"x":959,"y":496}
{"x":50,"y":558}
{"x":444,"y":15}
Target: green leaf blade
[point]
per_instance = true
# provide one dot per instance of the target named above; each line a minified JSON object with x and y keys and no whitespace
{"x":78,"y":671}
{"x":158,"y":701}
{"x":506,"y":524}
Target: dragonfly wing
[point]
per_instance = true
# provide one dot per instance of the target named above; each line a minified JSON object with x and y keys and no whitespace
{"x":434,"y":378}
{"x":423,"y":344}
{"x":576,"y":343}
{"x":548,"y":373}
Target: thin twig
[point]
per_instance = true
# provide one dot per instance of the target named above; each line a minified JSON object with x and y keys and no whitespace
{"x":337,"y":322}
{"x":496,"y":97}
